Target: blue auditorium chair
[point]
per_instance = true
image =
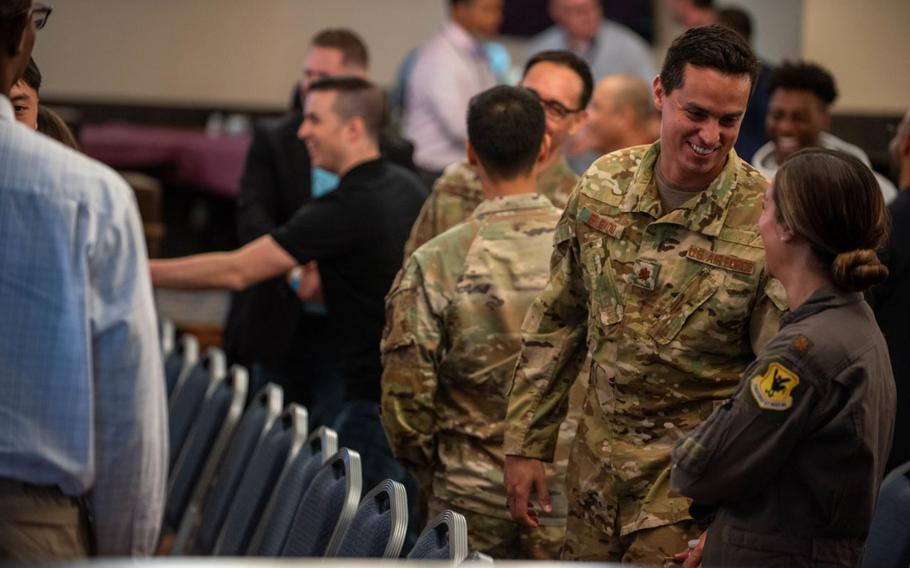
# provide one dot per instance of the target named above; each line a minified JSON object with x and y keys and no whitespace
{"x":379,"y":526}
{"x":184,"y":404}
{"x":327,"y":507}
{"x":888,"y":543}
{"x":218,"y":417}
{"x":444,"y":538}
{"x":180,"y":360}
{"x":280,"y":446}
{"x":270,"y":536}
{"x":202,"y":524}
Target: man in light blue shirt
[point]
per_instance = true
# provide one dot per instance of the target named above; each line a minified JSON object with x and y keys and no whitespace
{"x":83,"y":425}
{"x":608,"y":47}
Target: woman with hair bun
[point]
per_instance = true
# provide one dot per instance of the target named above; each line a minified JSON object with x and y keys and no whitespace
{"x":790,"y":465}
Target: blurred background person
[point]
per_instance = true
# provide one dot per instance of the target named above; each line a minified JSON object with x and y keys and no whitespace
{"x":609,"y":48}
{"x":692,"y":13}
{"x":448,"y":70}
{"x":799,"y":116}
{"x":621,"y":114}
{"x":24,"y":95}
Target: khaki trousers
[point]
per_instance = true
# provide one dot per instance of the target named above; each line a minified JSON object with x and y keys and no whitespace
{"x":40,"y":524}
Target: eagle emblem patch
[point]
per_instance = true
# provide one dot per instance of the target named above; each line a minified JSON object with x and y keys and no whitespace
{"x":772,"y":390}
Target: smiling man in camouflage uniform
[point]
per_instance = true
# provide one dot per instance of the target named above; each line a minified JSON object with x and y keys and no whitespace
{"x":658,"y":272}
{"x":452,"y":334}
{"x":562,"y":82}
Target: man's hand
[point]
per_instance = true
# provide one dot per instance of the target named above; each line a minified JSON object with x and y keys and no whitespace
{"x":521,"y":474}
{"x":306,"y":282}
{"x":692,"y":558}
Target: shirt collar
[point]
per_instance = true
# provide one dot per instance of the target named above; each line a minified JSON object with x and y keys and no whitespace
{"x":704,"y":213}
{"x":6,"y":109}
{"x":828,"y":296}
{"x":364,"y":171}
{"x":461,"y":39}
{"x":505,"y":203}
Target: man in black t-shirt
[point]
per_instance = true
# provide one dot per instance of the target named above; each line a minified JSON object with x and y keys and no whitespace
{"x":356,"y":233}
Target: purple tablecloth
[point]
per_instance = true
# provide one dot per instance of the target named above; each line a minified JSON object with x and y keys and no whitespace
{"x":186,"y":157}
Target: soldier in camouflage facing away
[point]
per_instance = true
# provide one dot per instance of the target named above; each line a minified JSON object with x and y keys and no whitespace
{"x":562,"y":82}
{"x":452,"y":332}
{"x":658,"y":270}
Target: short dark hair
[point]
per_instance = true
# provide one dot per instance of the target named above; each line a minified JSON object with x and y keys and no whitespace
{"x":357,"y":97}
{"x":506,"y":126}
{"x":32,"y":75}
{"x":703,"y":3}
{"x":737,"y":20}
{"x":353,"y":50}
{"x":804,"y":76}
{"x":713,"y":47}
{"x":567,"y":59}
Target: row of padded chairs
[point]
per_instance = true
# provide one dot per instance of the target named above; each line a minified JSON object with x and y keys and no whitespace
{"x":256,"y":483}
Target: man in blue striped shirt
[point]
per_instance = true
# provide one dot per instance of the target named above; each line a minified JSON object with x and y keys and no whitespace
{"x":82,"y":411}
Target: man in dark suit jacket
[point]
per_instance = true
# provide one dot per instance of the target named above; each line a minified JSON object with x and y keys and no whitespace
{"x":268,"y":328}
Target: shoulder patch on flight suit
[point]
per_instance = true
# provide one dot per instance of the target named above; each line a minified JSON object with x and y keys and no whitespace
{"x":727,"y":261}
{"x":772,"y":390}
{"x":601,"y":223}
{"x":801,"y":343}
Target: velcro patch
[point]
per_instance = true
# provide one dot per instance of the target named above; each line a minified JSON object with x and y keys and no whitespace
{"x":601,"y":223}
{"x":726,"y":261}
{"x":772,"y":391}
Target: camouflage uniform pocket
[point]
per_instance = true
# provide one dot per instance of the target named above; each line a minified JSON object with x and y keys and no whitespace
{"x":605,"y":298}
{"x":671,"y":318}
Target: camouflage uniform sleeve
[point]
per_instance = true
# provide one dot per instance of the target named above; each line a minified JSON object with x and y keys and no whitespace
{"x":747,"y":439}
{"x":552,"y":353}
{"x":765,"y":319}
{"x":425,"y":227}
{"x":410,"y":355}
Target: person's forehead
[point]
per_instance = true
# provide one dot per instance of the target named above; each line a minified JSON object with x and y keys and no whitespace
{"x":706,"y":85}
{"x":552,"y":77}
{"x":322,"y":56}
{"x":22,"y":90}
{"x":795,"y":99}
{"x":319,"y":101}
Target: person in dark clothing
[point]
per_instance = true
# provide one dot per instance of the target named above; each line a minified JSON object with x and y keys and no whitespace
{"x":268,"y":328}
{"x":892,"y":299}
{"x":793,"y":461}
{"x":356,"y":233}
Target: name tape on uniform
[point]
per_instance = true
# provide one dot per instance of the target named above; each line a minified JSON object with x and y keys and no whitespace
{"x":726,"y":261}
{"x":601,"y":223}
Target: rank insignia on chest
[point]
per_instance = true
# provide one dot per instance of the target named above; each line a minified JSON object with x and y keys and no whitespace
{"x":644,"y":274}
{"x":772,"y":390}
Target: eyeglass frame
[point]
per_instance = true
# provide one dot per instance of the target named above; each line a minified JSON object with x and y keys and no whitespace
{"x":42,"y":10}
{"x":556,"y":107}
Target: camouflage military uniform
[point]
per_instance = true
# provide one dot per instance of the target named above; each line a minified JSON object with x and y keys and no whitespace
{"x":457,"y":193}
{"x":672,"y":308}
{"x":449,"y":350}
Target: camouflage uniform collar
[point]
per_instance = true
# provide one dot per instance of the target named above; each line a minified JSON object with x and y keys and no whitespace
{"x":553,"y":176}
{"x":705,"y":213}
{"x":506,"y":203}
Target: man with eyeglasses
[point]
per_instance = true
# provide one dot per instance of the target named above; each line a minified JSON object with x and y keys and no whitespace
{"x":562,"y":83}
{"x":84,"y":418}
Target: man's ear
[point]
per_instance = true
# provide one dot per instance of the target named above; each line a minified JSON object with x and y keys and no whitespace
{"x":657,"y":89}
{"x":544,"y":149}
{"x":355,"y":129}
{"x":472,"y":155}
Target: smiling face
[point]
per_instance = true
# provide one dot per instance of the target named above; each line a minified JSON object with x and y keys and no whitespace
{"x":25,"y":104}
{"x":699,"y":124}
{"x":558,"y":87}
{"x":795,"y":120}
{"x":323,"y":131}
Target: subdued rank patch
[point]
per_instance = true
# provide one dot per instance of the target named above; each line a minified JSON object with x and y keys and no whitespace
{"x":601,"y":223}
{"x":772,"y":391}
{"x":644,"y":273}
{"x":726,"y":261}
{"x":801,"y":343}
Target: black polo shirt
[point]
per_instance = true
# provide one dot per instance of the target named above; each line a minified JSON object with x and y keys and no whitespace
{"x":357,"y":234}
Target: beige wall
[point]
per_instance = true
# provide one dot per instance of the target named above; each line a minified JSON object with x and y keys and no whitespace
{"x":231,"y":52}
{"x":248,"y":53}
{"x":866,"y":45}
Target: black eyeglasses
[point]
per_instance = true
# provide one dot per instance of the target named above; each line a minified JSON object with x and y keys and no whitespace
{"x":40,"y":14}
{"x":555,"y":108}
